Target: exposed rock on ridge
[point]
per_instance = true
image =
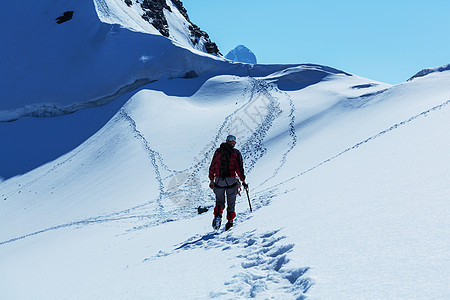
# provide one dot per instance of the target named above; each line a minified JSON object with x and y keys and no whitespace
{"x":154,"y":14}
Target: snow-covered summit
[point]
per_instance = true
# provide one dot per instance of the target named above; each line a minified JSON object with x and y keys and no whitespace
{"x":242,"y":54}
{"x":427,"y":71}
{"x":60,"y":57}
{"x":166,"y":17}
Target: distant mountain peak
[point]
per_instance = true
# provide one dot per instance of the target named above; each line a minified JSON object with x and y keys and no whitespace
{"x":242,"y":54}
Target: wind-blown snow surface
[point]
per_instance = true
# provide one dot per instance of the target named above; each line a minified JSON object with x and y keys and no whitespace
{"x":349,"y":186}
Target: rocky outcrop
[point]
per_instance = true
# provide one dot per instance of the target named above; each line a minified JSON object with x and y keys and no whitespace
{"x":181,"y":9}
{"x":197,"y":34}
{"x":154,"y":14}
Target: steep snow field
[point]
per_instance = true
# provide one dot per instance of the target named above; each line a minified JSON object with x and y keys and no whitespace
{"x":349,"y":178}
{"x":349,"y":185}
{"x":86,"y":61}
{"x":88,"y":66}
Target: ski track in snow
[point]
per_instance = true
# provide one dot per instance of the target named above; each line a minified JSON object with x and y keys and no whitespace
{"x":263,"y":269}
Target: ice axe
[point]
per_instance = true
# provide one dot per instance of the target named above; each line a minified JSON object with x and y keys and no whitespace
{"x":248,"y":197}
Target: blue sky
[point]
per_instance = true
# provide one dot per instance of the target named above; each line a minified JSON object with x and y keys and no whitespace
{"x":388,"y":41}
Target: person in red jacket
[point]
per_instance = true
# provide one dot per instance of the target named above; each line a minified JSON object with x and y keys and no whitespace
{"x":225,"y":166}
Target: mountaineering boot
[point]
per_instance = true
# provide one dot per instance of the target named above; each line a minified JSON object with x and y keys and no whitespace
{"x":228,"y":225}
{"x":217,"y":221}
{"x":230,"y":218}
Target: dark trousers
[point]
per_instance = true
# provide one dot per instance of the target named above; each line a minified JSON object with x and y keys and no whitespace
{"x":221,"y":190}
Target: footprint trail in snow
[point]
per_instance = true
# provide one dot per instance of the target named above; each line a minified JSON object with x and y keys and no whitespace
{"x":263,"y":269}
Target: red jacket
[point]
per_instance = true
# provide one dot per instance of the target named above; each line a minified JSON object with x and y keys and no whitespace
{"x":227,"y":162}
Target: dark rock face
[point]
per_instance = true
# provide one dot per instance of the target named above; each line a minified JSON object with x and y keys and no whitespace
{"x":181,"y":8}
{"x":65,"y":17}
{"x":154,"y":14}
{"x":197,"y":33}
{"x":212,"y":48}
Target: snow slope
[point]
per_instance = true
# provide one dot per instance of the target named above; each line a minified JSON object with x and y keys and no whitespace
{"x":83,"y":70}
{"x":130,"y":17}
{"x":348,"y":177}
{"x":53,"y":69}
{"x":349,"y":186}
{"x":30,"y":142}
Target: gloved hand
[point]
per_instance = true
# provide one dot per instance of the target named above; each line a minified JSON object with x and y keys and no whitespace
{"x":245,"y":185}
{"x":211,"y":185}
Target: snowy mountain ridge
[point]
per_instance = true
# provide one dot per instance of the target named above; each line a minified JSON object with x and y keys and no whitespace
{"x":168,"y":18}
{"x":92,"y":57}
{"x":348,"y":176}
